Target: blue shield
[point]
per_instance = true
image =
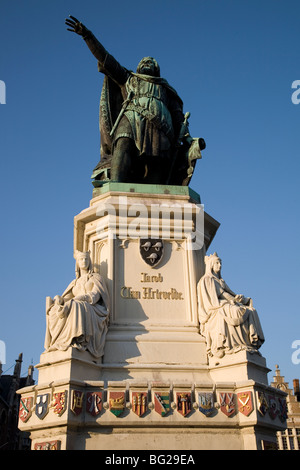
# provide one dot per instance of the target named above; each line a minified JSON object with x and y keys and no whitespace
{"x":206,"y":403}
{"x":42,"y":405}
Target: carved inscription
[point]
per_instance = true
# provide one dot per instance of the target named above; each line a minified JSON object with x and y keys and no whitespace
{"x":150,"y":292}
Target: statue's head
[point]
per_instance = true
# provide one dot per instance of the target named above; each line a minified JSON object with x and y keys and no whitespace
{"x":148,"y":66}
{"x":213,"y":264}
{"x":83,"y":261}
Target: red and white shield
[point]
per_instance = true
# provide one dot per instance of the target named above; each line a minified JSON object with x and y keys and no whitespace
{"x":227,"y":403}
{"x":245,"y":404}
{"x":25,"y":409}
{"x":139,"y":403}
{"x":94,"y":403}
{"x":47,"y":445}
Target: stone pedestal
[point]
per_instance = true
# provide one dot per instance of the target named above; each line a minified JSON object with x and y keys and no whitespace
{"x":148,"y":390}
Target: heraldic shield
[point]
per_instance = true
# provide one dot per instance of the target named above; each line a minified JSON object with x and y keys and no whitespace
{"x":94,"y":403}
{"x":117,"y":403}
{"x":41,"y":407}
{"x":25,"y":408}
{"x":184,"y":403}
{"x":206,"y":403}
{"x":245,"y":403}
{"x":162,"y":403}
{"x":151,"y":250}
{"x":139,"y":403}
{"x":59,"y":402}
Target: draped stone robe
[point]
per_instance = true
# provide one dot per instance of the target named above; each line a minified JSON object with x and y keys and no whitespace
{"x":82,"y":317}
{"x":227,"y":325}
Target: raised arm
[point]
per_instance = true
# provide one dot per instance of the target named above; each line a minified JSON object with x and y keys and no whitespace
{"x":108,"y":64}
{"x":96,"y":48}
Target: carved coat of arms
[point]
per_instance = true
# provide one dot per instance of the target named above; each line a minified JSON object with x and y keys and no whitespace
{"x":139,"y":403}
{"x":184,"y":403}
{"x":25,"y":408}
{"x":273,"y":406}
{"x":117,"y":402}
{"x":262,"y":403}
{"x":283,"y":409}
{"x":77,"y":401}
{"x":47,"y":445}
{"x":151,"y":250}
{"x":42,"y":405}
{"x":227,"y":403}
{"x":245,"y":404}
{"x":94,"y":403}
{"x":162,"y":403}
{"x":59,"y":402}
{"x":206,"y":403}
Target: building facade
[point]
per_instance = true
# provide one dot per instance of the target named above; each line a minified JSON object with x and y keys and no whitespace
{"x":11,"y":438}
{"x":289,"y":439}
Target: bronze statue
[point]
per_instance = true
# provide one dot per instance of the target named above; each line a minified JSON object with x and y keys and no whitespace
{"x":144,"y":134}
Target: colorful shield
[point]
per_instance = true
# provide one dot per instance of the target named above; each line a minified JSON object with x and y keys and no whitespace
{"x":59,"y":402}
{"x":245,"y":404}
{"x":151,"y":250}
{"x":117,"y":402}
{"x":227,"y":403}
{"x":162,"y":403}
{"x":184,"y":403}
{"x":206,"y":403}
{"x":76,"y":401}
{"x":283,"y":409}
{"x":47,"y":445}
{"x":139,"y":403}
{"x":262,"y":403}
{"x":42,"y":405}
{"x":94,"y":403}
{"x":273,"y":406}
{"x":25,"y":408}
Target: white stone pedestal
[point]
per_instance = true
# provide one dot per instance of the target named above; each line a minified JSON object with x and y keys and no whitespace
{"x":153,"y":352}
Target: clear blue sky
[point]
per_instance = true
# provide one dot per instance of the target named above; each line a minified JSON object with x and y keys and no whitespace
{"x":233,"y":63}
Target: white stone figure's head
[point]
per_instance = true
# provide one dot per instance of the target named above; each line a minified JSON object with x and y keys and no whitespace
{"x":213,"y":265}
{"x":83,"y":262}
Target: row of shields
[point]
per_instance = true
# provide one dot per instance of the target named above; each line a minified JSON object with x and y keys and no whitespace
{"x":92,"y":403}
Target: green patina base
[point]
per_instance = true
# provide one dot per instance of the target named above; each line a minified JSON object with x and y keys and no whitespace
{"x":112,"y":186}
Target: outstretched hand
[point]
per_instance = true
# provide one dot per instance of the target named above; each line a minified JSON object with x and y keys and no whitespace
{"x":76,"y":26}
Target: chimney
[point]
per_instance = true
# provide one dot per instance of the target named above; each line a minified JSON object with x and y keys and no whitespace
{"x":296,"y":389}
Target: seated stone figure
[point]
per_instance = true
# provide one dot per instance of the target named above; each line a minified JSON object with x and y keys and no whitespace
{"x":228,"y":321}
{"x":79,"y":317}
